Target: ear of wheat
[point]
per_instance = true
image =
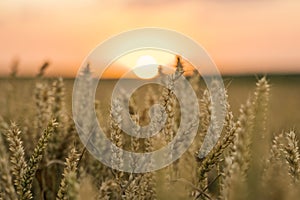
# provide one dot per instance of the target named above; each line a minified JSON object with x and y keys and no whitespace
{"x":69,"y":184}
{"x":17,"y":157}
{"x":7,"y":190}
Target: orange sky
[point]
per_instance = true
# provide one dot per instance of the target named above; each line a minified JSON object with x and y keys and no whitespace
{"x":240,"y":35}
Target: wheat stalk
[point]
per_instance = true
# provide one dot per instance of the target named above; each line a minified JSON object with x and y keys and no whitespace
{"x":117,"y":139}
{"x":60,"y":134}
{"x":7,"y":189}
{"x":17,"y":158}
{"x":237,"y":161}
{"x":69,"y":185}
{"x":292,"y":155}
{"x":34,"y":161}
{"x":259,"y":134}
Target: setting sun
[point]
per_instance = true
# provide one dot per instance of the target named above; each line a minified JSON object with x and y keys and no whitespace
{"x":146,"y":67}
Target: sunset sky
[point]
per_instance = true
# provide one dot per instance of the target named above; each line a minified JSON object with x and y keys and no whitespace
{"x":241,"y":36}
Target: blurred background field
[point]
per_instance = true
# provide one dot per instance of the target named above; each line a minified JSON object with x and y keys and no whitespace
{"x":17,"y":97}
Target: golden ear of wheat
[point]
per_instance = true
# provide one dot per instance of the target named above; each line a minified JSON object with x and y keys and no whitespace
{"x":35,"y":159}
{"x":292,"y":155}
{"x":7,"y":190}
{"x":69,"y":185}
{"x":17,"y":156}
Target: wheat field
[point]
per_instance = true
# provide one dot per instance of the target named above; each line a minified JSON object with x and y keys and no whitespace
{"x":256,"y":157}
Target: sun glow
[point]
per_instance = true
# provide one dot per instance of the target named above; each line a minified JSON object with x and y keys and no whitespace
{"x":146,"y":67}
